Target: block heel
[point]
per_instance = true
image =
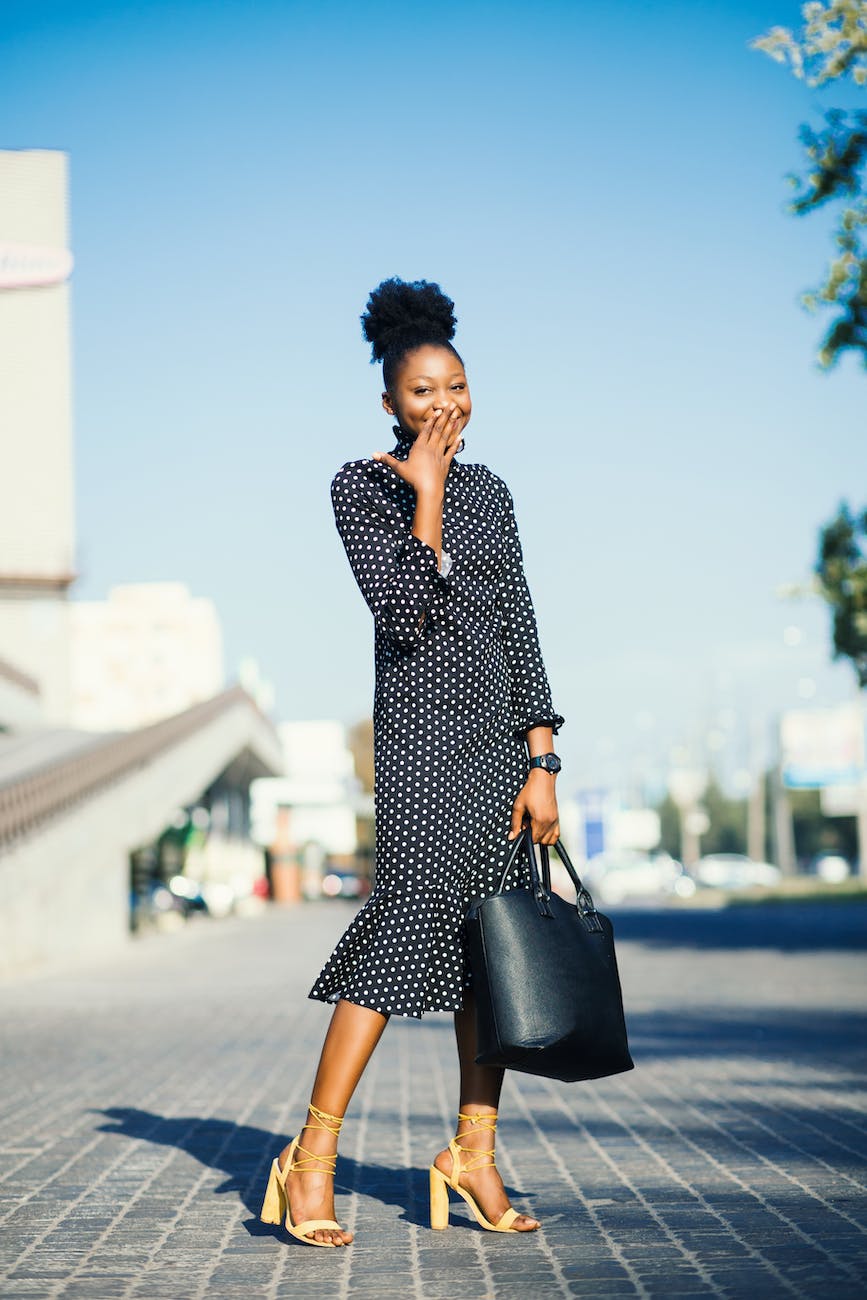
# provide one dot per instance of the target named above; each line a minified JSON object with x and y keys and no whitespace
{"x":274,"y":1201}
{"x":439,"y":1199}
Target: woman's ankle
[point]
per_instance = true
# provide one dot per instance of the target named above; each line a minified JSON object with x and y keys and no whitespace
{"x":477,"y":1119}
{"x":321,"y":1129}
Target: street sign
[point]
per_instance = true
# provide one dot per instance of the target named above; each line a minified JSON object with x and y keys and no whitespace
{"x":822,"y":747}
{"x":592,"y":805}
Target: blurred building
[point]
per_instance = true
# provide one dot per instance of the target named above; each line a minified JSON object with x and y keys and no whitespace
{"x":150,"y":650}
{"x":37,"y":535}
{"x":117,"y":738}
{"x":319,"y":794}
{"x":318,"y":814}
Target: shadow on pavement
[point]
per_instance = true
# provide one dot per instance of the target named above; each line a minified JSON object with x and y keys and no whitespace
{"x":815,"y":1038}
{"x":782,"y":927}
{"x":244,"y":1153}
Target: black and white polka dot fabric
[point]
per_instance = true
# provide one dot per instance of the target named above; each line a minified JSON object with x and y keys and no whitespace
{"x":459,"y":680}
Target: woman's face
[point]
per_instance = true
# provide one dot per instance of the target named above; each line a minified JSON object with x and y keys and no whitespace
{"x":429,"y":379}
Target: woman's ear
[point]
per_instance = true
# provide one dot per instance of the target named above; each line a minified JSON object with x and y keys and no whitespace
{"x":387,"y":403}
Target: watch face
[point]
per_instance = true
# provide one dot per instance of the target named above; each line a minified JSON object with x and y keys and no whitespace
{"x":553,"y":763}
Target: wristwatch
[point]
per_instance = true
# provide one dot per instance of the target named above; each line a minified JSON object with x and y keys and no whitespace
{"x":550,"y":762}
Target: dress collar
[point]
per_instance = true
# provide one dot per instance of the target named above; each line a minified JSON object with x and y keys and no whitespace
{"x":401,"y":449}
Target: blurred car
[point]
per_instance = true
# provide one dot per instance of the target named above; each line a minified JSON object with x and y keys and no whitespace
{"x":158,"y":901}
{"x":832,"y":867}
{"x":187,"y":896}
{"x":733,"y":871}
{"x":614,"y":876}
{"x":343,"y":884}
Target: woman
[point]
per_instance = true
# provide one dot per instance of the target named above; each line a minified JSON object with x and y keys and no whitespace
{"x":462,"y":708}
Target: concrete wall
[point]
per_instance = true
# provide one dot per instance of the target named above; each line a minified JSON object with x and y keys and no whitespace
{"x":34,"y":636}
{"x":64,"y":891}
{"x":20,"y":708}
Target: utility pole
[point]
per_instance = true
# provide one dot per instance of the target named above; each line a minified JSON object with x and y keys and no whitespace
{"x":861,"y":814}
{"x":862,"y":827}
{"x":756,"y":821}
{"x":686,"y":786}
{"x":783,"y":828}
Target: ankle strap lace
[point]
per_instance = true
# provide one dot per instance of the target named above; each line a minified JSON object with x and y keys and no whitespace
{"x":311,"y":1160}
{"x":331,"y":1123}
{"x":477,"y":1154}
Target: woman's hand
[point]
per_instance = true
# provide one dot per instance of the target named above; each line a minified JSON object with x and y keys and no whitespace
{"x":537,"y":800}
{"x":431,"y":453}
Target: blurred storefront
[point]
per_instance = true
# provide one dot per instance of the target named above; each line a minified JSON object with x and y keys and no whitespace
{"x":317,"y":821}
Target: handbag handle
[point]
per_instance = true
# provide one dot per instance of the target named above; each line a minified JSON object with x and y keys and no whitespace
{"x":542,"y":883}
{"x":525,"y":841}
{"x":583,"y":901}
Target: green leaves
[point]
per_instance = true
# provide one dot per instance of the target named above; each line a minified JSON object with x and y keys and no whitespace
{"x":841,"y":568}
{"x":833,"y":44}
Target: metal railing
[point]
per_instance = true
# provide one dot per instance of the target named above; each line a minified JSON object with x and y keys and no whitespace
{"x":35,"y":797}
{"x":18,"y":677}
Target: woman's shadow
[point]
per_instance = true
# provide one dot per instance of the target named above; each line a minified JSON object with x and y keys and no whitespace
{"x":244,"y":1153}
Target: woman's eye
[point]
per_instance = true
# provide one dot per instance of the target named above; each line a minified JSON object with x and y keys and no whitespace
{"x":459,"y":387}
{"x":420,"y":392}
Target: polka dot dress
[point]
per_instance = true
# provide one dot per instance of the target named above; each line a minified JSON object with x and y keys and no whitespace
{"x":459,"y":680}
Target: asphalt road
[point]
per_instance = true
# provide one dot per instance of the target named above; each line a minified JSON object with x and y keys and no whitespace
{"x":144,"y":1097}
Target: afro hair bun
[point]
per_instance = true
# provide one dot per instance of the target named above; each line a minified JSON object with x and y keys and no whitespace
{"x":402,"y":314}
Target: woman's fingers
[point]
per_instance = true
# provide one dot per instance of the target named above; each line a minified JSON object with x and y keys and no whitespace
{"x":453,"y":446}
{"x":441,"y":426}
{"x":426,"y":432}
{"x":519,"y":809}
{"x":444,"y":425}
{"x":543,"y":832}
{"x":545,"y":829}
{"x":453,"y":428}
{"x":432,"y":450}
{"x":543,"y":814}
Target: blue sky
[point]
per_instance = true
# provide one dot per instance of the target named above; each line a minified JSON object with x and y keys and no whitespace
{"x":601,"y":190}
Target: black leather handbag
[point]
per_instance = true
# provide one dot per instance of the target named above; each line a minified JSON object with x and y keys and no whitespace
{"x":547,"y":990}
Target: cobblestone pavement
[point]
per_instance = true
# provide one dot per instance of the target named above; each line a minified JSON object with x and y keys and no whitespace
{"x":145,"y":1097}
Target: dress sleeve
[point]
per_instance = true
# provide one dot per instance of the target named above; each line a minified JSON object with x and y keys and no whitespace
{"x":396,"y":571}
{"x":531,"y":694}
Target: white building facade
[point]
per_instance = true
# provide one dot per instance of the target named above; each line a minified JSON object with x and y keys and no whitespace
{"x":37,"y":533}
{"x":150,"y":650}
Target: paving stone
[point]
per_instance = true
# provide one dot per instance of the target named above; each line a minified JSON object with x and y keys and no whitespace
{"x":146,"y":1096}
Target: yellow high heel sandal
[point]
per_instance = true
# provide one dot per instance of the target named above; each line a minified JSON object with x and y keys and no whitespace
{"x":276,"y":1202}
{"x":440,"y":1183}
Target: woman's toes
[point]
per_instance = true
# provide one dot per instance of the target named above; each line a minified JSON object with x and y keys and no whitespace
{"x":339,"y":1237}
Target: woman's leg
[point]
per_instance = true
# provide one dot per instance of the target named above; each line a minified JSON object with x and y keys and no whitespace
{"x":480,"y":1095}
{"x":352,"y":1035}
